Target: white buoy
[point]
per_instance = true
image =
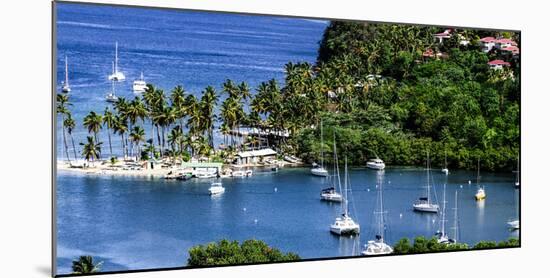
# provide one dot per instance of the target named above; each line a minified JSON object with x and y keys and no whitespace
{"x":469,"y":182}
{"x":255,"y":221}
{"x":275,"y":189}
{"x":389,"y":182}
{"x":244,"y":209}
{"x":461,"y":186}
{"x":433,"y":221}
{"x":368,"y":189}
{"x":401,"y":215}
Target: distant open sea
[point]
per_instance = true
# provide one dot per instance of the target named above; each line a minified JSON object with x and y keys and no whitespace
{"x":171,"y":47}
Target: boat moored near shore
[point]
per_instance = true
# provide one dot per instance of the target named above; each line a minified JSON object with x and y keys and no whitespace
{"x":376,"y":164}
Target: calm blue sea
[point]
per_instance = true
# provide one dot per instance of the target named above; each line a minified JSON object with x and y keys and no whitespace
{"x":192,"y":49}
{"x":137,"y":223}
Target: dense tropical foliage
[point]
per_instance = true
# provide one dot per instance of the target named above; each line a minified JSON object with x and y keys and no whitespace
{"x":86,"y":265}
{"x":230,"y":253}
{"x":371,"y":88}
{"x":425,"y":245}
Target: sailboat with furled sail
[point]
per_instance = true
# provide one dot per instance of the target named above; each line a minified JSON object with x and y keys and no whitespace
{"x":65,"y":88}
{"x":330,"y":194}
{"x":480,"y":195}
{"x":117,"y":75}
{"x":319,"y":170}
{"x":442,"y":236}
{"x":424,"y":204}
{"x":378,"y":246}
{"x":344,"y":225}
{"x":111,"y":96}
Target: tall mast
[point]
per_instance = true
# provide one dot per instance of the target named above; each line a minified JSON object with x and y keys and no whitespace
{"x":428,"y":174}
{"x":116,"y":57}
{"x":66,"y":71}
{"x":322,"y":145}
{"x":444,"y":207}
{"x":336,"y":162}
{"x":346,"y":186}
{"x":517,"y":172}
{"x":477,"y":180}
{"x":456,"y":217}
{"x":445,"y":158}
{"x":381,"y":212}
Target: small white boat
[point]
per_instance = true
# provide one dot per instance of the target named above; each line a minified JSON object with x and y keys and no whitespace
{"x":378,"y":246}
{"x":116,"y":75}
{"x":376,"y":164}
{"x":345,"y":225}
{"x":139,"y":85}
{"x":241,"y":173}
{"x":319,"y":171}
{"x":514,"y":224}
{"x":65,"y":88}
{"x":424,"y":204}
{"x":216,"y":188}
{"x":330,"y":194}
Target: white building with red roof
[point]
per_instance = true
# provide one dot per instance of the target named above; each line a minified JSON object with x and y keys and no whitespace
{"x":514,"y":50}
{"x":504,"y":43}
{"x":440,"y":37}
{"x":498,"y":64}
{"x":487,"y":43}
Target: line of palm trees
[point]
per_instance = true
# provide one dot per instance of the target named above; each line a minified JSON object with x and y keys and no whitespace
{"x":182,"y":124}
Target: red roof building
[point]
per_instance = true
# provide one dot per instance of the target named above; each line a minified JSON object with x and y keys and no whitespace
{"x":498,"y":64}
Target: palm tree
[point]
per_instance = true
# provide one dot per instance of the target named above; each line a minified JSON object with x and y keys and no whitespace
{"x":177,"y":97}
{"x":208,"y":102}
{"x":92,"y":122}
{"x":91,"y":150}
{"x":224,"y":129}
{"x":109,"y":121}
{"x":62,"y":101}
{"x":121,"y":127}
{"x":136,"y":136}
{"x":86,"y":265}
{"x":174,"y":139}
{"x":70,"y":125}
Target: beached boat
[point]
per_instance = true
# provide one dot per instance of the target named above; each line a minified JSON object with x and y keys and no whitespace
{"x":376,"y":164}
{"x":378,"y":246}
{"x":319,"y":170}
{"x":344,"y":225}
{"x":116,"y":75}
{"x":445,"y":170}
{"x":139,"y":85}
{"x":205,"y":174}
{"x":480,"y":194}
{"x":65,"y":88}
{"x":424,"y":204}
{"x":216,"y":188}
{"x":241,"y":173}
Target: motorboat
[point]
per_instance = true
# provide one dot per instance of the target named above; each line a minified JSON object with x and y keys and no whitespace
{"x":376,"y":164}
{"x":216,"y":188}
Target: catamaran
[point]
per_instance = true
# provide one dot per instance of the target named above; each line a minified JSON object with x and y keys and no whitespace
{"x":378,"y":246}
{"x":139,"y":85}
{"x":424,"y":204}
{"x":480,"y":195}
{"x":344,"y":225}
{"x":111,"y":96}
{"x":65,"y":88}
{"x":116,"y":75}
{"x":330,"y":194}
{"x":319,"y":170}
{"x":445,"y":170}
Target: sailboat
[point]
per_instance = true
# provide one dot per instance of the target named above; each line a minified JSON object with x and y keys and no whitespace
{"x":516,"y":184}
{"x":424,"y":204}
{"x":378,"y":246}
{"x":330,"y":194}
{"x":139,"y":85}
{"x":111,"y":96}
{"x":319,"y":170}
{"x":480,"y":195}
{"x":441,"y":234}
{"x":455,"y":227}
{"x":65,"y":87}
{"x":344,"y":225}
{"x":445,"y":170}
{"x":116,"y":75}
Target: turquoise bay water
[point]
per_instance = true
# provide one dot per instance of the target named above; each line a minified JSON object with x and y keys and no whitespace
{"x":137,"y":223}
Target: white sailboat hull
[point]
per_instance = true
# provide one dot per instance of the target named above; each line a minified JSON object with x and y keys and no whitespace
{"x":426,"y":207}
{"x":331,"y":197}
{"x":376,"y":166}
{"x":345,"y":226}
{"x":117,"y":76}
{"x":216,"y":190}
